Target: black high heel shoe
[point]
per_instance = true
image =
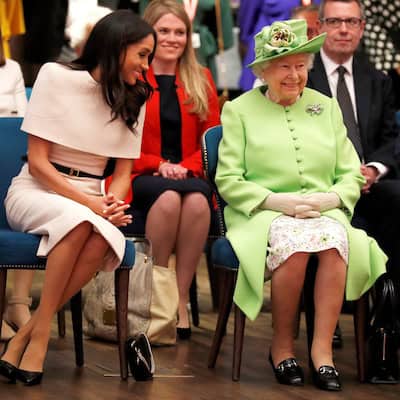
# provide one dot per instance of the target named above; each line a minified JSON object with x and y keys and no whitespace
{"x":29,"y":378}
{"x":326,"y":378}
{"x":288,"y":372}
{"x":184,"y":333}
{"x":8,"y":370}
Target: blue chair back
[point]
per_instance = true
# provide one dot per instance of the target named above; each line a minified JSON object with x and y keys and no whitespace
{"x":13,"y":147}
{"x":209,"y":146}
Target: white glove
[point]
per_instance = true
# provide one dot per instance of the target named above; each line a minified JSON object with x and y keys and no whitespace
{"x":306,"y":211}
{"x":283,"y":202}
{"x":323,"y":201}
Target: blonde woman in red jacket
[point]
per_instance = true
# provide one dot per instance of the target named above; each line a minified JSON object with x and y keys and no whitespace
{"x":168,"y":179}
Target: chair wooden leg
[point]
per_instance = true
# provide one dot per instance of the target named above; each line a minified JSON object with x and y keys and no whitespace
{"x":213,"y":275}
{"x":3,"y":284}
{"x":360,"y":329}
{"x":223,"y":315}
{"x":240,"y":320}
{"x":308,"y":295}
{"x":194,"y":304}
{"x":76,"y":313}
{"x":61,"y":323}
{"x":121,"y":305}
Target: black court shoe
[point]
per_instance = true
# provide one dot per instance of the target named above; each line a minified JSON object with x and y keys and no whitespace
{"x":288,"y":372}
{"x":29,"y":378}
{"x":7,"y":370}
{"x":326,"y":378}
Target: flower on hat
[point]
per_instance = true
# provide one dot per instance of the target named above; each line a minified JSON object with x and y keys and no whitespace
{"x":278,"y":38}
{"x":280,"y":35}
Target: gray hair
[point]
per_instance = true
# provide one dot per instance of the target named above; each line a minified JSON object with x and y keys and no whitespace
{"x":324,"y":2}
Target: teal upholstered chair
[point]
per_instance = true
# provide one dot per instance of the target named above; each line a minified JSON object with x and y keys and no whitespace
{"x":224,"y":259}
{"x":18,"y":250}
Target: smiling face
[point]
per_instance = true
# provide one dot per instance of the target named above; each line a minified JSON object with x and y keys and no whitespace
{"x":342,"y":41}
{"x":136,"y":59}
{"x":171,"y":38}
{"x":286,"y":78}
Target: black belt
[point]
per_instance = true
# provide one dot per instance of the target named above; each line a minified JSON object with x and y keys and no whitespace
{"x":75,"y":172}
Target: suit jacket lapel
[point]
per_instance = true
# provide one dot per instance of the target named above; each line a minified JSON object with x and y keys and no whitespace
{"x":362,"y":87}
{"x":317,"y":77}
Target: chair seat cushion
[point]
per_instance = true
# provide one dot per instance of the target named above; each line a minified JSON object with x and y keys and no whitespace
{"x":223,"y":255}
{"x":18,"y":250}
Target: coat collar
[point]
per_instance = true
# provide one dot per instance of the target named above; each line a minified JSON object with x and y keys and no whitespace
{"x":318,"y":78}
{"x":153,"y":82}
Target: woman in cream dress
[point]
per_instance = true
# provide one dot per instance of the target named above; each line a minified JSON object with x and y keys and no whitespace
{"x":78,"y":117}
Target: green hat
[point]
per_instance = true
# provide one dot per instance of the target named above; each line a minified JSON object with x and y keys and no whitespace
{"x":284,"y":38}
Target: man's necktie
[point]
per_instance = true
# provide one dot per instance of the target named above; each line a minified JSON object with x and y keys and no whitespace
{"x":346,"y":106}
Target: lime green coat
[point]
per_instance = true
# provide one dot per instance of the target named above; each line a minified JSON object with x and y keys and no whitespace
{"x":269,"y":148}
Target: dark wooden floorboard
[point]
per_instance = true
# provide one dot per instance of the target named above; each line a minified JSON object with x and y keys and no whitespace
{"x":182,"y":373}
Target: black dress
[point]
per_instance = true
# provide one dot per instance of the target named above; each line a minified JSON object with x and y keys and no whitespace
{"x":147,"y":188}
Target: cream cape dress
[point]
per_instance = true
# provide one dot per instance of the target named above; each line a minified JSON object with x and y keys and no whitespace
{"x":67,"y":109}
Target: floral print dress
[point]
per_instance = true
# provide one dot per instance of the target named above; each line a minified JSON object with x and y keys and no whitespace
{"x":290,"y":235}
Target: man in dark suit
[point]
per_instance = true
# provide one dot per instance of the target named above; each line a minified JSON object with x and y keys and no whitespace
{"x":372,"y":102}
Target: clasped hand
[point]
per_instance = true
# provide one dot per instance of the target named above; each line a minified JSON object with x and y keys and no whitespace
{"x":111,"y":208}
{"x":302,"y":206}
{"x":172,"y":171}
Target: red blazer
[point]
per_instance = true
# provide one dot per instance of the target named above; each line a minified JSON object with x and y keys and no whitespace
{"x":192,"y":130}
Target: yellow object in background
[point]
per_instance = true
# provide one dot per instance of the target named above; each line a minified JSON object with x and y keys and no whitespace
{"x":11,"y":21}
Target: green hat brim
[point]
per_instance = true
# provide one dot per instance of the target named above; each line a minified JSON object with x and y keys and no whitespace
{"x":311,"y":46}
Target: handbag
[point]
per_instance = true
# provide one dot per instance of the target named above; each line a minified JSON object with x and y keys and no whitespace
{"x":384,"y":337}
{"x":152,"y":301}
{"x":140,"y":357}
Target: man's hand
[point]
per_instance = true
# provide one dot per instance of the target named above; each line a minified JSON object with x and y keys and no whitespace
{"x":370,"y":174}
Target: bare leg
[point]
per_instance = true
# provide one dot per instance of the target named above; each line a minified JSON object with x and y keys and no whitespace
{"x":328,"y":298}
{"x":60,"y":263}
{"x":87,"y":264}
{"x":192,"y":235}
{"x":162,"y":225}
{"x":287,"y":284}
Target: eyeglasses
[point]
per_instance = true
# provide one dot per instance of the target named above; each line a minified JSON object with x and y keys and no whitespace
{"x":352,"y":23}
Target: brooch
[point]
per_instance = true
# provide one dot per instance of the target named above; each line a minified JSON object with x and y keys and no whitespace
{"x":314,"y":109}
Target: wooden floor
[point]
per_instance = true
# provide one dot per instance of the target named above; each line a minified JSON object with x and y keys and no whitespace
{"x":182,"y":373}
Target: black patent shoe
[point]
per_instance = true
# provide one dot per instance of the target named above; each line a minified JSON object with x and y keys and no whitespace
{"x":29,"y":378}
{"x":326,"y":378}
{"x":288,"y":372}
{"x":184,"y":333}
{"x":8,"y":371}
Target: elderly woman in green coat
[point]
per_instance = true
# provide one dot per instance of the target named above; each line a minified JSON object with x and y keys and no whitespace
{"x":291,"y":177}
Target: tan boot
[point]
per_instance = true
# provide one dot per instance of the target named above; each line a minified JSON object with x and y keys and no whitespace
{"x":18,"y":313}
{"x":6,"y":332}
